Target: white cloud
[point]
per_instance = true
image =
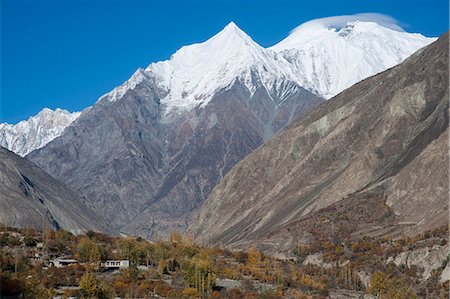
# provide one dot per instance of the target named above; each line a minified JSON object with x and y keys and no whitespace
{"x":340,"y":21}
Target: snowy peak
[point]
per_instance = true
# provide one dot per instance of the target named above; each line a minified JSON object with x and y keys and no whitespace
{"x":332,"y":54}
{"x":231,"y":40}
{"x":194,"y":73}
{"x":233,"y":33}
{"x":28,"y":135}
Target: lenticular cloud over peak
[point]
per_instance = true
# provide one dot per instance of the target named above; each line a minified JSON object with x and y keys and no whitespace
{"x":340,"y":21}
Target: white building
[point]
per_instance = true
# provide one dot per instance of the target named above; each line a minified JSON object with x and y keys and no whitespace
{"x":116,"y":264}
{"x":59,"y":262}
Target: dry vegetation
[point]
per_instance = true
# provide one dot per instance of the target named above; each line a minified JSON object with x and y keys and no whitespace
{"x":178,"y":268}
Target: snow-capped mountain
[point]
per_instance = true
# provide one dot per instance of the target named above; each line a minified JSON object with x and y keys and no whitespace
{"x":196,"y":72}
{"x":332,"y":54}
{"x":322,"y":56}
{"x":28,"y":135}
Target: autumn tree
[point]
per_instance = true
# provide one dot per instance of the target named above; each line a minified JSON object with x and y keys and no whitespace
{"x":378,"y":284}
{"x":88,"y":251}
{"x":129,"y":249}
{"x":198,"y":274}
{"x":384,"y":287}
{"x":147,"y":252}
{"x":34,"y":289}
{"x":88,"y":285}
{"x":254,"y":261}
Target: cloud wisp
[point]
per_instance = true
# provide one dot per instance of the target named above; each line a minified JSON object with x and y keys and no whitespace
{"x":340,"y":21}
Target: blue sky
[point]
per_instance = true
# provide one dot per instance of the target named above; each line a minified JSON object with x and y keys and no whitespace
{"x":67,"y":53}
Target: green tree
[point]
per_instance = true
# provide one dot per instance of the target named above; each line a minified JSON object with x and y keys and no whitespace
{"x":392,"y":288}
{"x":29,"y":241}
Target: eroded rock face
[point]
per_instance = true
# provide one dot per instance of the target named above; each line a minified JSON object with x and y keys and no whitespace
{"x":384,"y":137}
{"x":425,"y":258}
{"x":29,"y":197}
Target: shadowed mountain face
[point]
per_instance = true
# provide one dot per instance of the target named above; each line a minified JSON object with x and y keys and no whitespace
{"x":147,"y":169}
{"x":29,"y":197}
{"x":384,"y":138}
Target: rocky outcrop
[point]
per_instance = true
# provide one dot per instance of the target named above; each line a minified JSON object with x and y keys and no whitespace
{"x":385,"y":137}
{"x":316,"y":259}
{"x":427,"y":259}
{"x":29,"y":197}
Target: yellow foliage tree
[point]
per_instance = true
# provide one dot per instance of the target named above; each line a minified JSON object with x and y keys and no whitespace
{"x":88,"y":284}
{"x":198,"y":274}
{"x":254,"y":261}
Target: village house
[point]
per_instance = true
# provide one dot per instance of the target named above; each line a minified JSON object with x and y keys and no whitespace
{"x":61,"y":262}
{"x":116,"y":264}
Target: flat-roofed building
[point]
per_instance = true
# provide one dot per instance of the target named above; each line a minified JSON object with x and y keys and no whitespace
{"x":116,"y":264}
{"x":61,"y":262}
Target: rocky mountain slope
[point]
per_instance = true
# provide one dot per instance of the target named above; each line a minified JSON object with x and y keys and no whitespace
{"x":29,"y":197}
{"x":150,"y":151}
{"x":386,"y":137}
{"x":28,"y":135}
